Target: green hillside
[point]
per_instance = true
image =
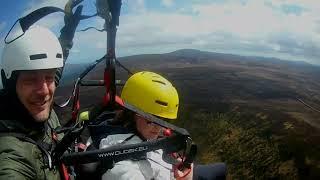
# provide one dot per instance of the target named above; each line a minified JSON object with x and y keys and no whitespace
{"x":254,"y":145}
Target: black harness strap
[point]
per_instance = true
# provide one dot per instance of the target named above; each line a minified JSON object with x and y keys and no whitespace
{"x":127,"y":139}
{"x":30,"y":19}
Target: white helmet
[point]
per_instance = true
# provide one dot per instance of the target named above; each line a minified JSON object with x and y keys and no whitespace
{"x":37,"y":49}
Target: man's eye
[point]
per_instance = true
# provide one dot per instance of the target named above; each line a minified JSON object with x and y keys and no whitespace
{"x":50,"y":78}
{"x":29,"y":80}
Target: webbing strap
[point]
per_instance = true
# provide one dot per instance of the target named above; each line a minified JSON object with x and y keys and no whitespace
{"x":31,"y":18}
{"x":36,"y":15}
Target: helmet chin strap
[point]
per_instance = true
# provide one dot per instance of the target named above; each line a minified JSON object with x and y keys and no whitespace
{"x":9,"y":85}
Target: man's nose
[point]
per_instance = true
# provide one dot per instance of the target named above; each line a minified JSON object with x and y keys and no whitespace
{"x":42,"y":86}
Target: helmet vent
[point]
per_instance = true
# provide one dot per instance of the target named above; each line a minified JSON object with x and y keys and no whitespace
{"x":157,"y":81}
{"x":161,"y":103}
{"x":38,"y":56}
{"x":59,"y":55}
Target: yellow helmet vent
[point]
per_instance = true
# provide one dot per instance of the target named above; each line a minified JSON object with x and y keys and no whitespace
{"x":162,"y":103}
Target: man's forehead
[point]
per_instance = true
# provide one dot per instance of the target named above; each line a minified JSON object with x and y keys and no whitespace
{"x":38,"y":71}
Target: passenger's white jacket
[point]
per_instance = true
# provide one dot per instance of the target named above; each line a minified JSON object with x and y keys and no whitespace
{"x":151,"y":168}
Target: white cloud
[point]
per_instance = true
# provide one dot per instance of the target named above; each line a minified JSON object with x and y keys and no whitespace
{"x":101,"y":45}
{"x":167,"y":3}
{"x":310,"y":4}
{"x":91,"y":45}
{"x":247,"y":27}
{"x":233,"y":26}
{"x":36,"y":4}
{"x":135,"y":6}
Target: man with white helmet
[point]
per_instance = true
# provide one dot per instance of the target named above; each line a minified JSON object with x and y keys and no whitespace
{"x":27,"y":121}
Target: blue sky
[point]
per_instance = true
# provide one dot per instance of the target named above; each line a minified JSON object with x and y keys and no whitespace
{"x":286,"y":29}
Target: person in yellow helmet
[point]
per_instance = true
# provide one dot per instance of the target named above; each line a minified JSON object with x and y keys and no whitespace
{"x":153,"y":94}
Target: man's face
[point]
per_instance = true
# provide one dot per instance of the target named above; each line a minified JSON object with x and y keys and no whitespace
{"x":35,"y":90}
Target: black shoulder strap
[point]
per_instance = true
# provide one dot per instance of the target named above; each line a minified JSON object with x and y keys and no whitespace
{"x":127,"y":139}
{"x":23,"y":137}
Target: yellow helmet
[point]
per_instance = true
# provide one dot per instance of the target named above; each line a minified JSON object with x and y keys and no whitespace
{"x":152,"y":94}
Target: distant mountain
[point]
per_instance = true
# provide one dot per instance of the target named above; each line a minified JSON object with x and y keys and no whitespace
{"x":193,"y":53}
